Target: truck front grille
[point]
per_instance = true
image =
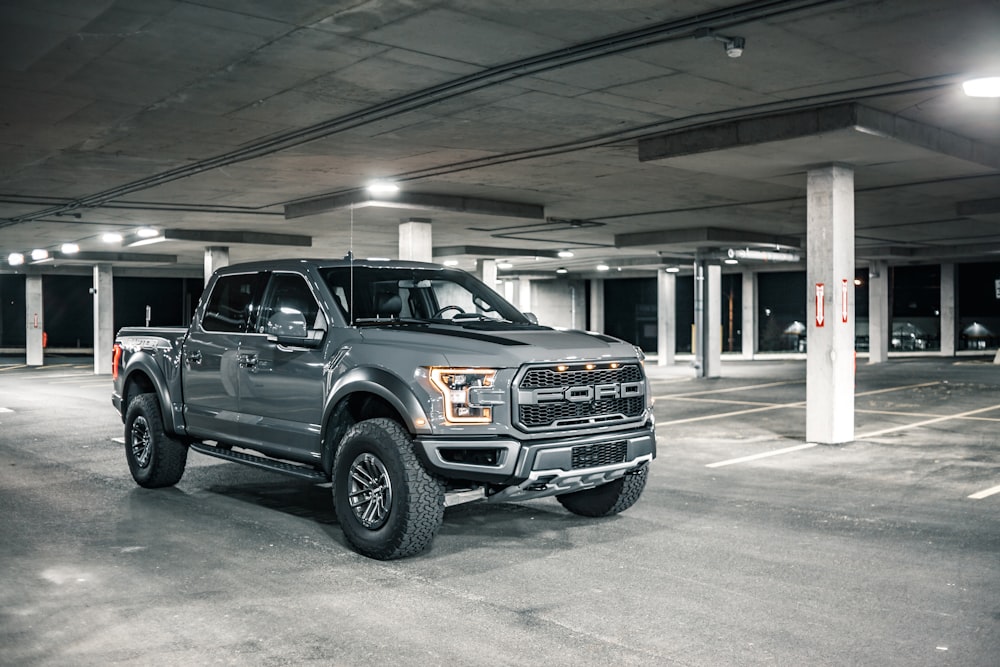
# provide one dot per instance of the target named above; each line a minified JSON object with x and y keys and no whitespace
{"x":550,"y":397}
{"x":604,"y":454}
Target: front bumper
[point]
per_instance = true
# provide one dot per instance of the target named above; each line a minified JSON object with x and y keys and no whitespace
{"x":540,"y":468}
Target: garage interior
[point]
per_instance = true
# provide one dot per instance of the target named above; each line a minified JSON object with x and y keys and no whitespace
{"x":572,"y":154}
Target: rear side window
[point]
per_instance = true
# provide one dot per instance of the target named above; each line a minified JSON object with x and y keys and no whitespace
{"x":231,"y":303}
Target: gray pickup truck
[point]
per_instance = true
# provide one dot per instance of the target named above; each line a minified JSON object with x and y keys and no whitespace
{"x":409,"y":386}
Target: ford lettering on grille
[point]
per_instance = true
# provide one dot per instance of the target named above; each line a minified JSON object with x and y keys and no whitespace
{"x":548,"y":397}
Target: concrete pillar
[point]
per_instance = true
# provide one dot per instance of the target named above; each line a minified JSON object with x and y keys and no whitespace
{"x":216,"y":257}
{"x":415,"y":240}
{"x":830,"y":305}
{"x":34,"y":320}
{"x":524,"y":295}
{"x":486,"y":270}
{"x":949,"y":310}
{"x":878,"y":312}
{"x":596,"y":322}
{"x":708,"y":319}
{"x":748,"y":323}
{"x":666,"y":318}
{"x":104,"y":310}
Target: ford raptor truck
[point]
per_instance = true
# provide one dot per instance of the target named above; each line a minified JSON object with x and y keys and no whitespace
{"x":407,"y":386}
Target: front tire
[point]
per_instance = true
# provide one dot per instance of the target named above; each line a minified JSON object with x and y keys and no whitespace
{"x":607,"y":499}
{"x":154,"y":458}
{"x":387,"y":504}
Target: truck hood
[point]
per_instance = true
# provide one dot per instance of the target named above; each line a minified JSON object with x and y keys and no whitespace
{"x":474,"y":346}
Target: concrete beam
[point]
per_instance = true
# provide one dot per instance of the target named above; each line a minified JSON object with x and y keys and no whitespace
{"x":813,"y":121}
{"x":416,"y":200}
{"x":489,"y":251}
{"x":978,"y":207}
{"x":226,"y":237}
{"x":701,"y":236}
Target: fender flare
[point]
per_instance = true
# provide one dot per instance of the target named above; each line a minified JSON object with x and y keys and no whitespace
{"x":145,"y":363}
{"x":393,"y":389}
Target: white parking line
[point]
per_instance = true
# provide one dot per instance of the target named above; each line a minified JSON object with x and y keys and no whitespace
{"x":762,"y":455}
{"x":961,"y":415}
{"x":985,"y":493}
{"x":6,"y":410}
{"x":722,"y":415}
{"x":743,"y":388}
{"x":907,"y":386}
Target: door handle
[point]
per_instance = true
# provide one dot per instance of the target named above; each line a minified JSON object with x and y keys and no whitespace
{"x":194,"y":357}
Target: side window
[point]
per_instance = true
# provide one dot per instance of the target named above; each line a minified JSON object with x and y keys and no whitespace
{"x":230,"y":304}
{"x":290,"y":291}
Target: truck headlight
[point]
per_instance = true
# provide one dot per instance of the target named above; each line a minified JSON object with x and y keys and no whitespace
{"x":468,"y":393}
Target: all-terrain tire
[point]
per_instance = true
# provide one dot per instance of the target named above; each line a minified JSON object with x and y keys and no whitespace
{"x":387,"y":504}
{"x":607,"y":499}
{"x":154,"y":458}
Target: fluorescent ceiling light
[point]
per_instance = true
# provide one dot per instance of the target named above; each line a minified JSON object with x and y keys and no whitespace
{"x":565,"y":254}
{"x":146,"y":241}
{"x":673,"y":269}
{"x":504,"y":265}
{"x":377,"y":259}
{"x":39,"y":254}
{"x":69,"y":248}
{"x":146,"y":232}
{"x":562,"y":270}
{"x":984,"y":87}
{"x":382,"y":188}
{"x":111,"y":237}
{"x":732,"y":261}
{"x":15,"y":259}
{"x":603,"y":267}
{"x":451,"y":262}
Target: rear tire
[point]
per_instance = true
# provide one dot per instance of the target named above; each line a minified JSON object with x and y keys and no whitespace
{"x":154,"y":458}
{"x":607,"y":499}
{"x":387,"y":504}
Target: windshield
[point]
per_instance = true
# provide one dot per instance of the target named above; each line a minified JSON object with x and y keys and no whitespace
{"x":421,"y":294}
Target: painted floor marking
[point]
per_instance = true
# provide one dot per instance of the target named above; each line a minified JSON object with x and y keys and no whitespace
{"x":986,"y":493}
{"x":893,"y":429}
{"x":13,"y":368}
{"x":723,"y":415}
{"x":885,"y":391}
{"x":6,"y":410}
{"x":696,"y":399}
{"x":120,"y":440}
{"x":743,"y":388}
{"x":762,"y":455}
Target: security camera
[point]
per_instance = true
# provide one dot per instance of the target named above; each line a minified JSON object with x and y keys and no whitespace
{"x":734,"y":47}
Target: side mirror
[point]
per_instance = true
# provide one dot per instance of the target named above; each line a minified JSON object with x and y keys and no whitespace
{"x":288,"y":326}
{"x":532,"y":317}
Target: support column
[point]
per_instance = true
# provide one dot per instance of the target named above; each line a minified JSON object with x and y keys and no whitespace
{"x":415,"y":240}
{"x":104,"y":310}
{"x":708,"y":319}
{"x":830,"y":305}
{"x":748,"y":322}
{"x":524,"y":295}
{"x":949,"y":311}
{"x":596,"y":322}
{"x":666,"y":318}
{"x":878,"y":312}
{"x":486,"y":270}
{"x":216,"y":257}
{"x":34,"y":320}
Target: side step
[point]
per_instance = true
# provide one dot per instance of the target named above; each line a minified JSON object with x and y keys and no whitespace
{"x":260,"y":462}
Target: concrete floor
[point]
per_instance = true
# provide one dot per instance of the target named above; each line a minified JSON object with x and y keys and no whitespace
{"x":872,"y":553}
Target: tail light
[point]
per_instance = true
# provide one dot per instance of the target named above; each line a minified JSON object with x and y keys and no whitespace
{"x":116,"y":358}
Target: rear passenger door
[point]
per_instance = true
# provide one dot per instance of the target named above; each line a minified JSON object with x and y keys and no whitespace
{"x":210,"y":357}
{"x":281,"y":386}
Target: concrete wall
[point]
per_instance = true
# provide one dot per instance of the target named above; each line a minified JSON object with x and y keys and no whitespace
{"x":560,"y":303}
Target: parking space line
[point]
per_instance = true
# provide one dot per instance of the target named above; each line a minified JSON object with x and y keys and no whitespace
{"x":985,"y":493}
{"x":13,"y":368}
{"x":961,"y":415}
{"x":776,"y":406}
{"x":743,"y":388}
{"x":5,"y":410}
{"x":908,"y":386}
{"x":762,"y":455}
{"x":696,"y":399}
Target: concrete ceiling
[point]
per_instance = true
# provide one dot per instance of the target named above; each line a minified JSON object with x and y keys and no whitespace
{"x":518,"y":128}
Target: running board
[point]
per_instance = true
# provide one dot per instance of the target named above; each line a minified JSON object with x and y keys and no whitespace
{"x":260,"y":462}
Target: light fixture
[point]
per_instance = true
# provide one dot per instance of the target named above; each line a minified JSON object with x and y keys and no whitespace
{"x":38,"y":254}
{"x":504,"y":265}
{"x":603,"y":267}
{"x":673,"y":269}
{"x":561,"y":270}
{"x":734,"y":45}
{"x":146,"y":232}
{"x":15,"y":259}
{"x":565,"y":254}
{"x":377,"y":259}
{"x":450,"y":262}
{"x":69,"y":248}
{"x":111,"y":237}
{"x":730,"y":260}
{"x":382,"y":188}
{"x":988,"y":86}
